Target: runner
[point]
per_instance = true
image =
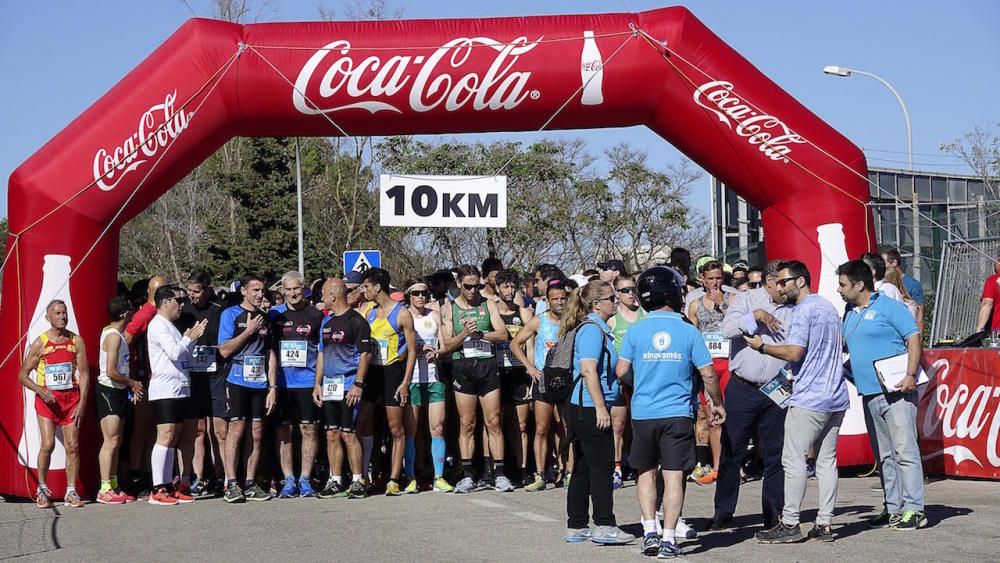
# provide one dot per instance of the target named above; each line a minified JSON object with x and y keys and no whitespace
{"x":208,"y":390}
{"x":341,"y":376}
{"x":515,"y":383}
{"x":426,"y":390}
{"x":628,"y":313}
{"x":469,"y":328}
{"x":530,"y":346}
{"x":55,"y":369}
{"x":113,"y":388}
{"x":658,"y":355}
{"x":392,"y":367}
{"x":296,"y":337}
{"x":545,"y":273}
{"x":707,"y":313}
{"x":244,"y":342}
{"x":169,"y":394}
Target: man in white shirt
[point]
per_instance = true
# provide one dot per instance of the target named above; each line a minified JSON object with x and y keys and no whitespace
{"x":169,"y":392}
{"x":877,"y":264}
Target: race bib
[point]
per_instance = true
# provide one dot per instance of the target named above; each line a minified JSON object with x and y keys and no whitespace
{"x":509,"y":361}
{"x":383,"y":352}
{"x":294,"y":353}
{"x":203,"y":359}
{"x":59,"y":377}
{"x":253,"y":369}
{"x":333,"y":388}
{"x":718,"y":345}
{"x":476,"y":348}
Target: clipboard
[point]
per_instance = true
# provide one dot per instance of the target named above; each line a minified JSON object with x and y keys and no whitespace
{"x":890,"y":371}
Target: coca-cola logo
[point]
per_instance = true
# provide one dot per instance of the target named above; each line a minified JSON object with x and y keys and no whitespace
{"x":157,"y":127}
{"x":773,"y":136}
{"x":961,"y":412}
{"x":430,"y":81}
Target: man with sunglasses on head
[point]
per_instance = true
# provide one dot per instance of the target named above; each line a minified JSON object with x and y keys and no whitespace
{"x":762,"y":311}
{"x":813,"y":349}
{"x":627,"y":314}
{"x":545,"y":273}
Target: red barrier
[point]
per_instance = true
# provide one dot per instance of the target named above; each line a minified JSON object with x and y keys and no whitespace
{"x":212,"y":81}
{"x":959,"y":415}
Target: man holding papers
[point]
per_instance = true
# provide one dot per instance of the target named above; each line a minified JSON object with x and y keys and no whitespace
{"x":885,"y":348}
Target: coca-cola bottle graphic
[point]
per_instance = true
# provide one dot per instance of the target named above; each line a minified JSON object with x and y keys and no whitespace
{"x":591,"y":71}
{"x":833,"y":253}
{"x":55,"y":285}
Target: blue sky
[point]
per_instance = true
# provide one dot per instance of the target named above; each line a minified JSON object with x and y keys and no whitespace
{"x":58,"y":57}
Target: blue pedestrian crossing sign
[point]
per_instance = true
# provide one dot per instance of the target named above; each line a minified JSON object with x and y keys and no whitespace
{"x":361,"y":260}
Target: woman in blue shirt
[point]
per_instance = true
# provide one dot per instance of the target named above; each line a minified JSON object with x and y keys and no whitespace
{"x":587,"y":415}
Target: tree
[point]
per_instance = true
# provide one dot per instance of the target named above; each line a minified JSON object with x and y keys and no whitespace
{"x":980,"y":151}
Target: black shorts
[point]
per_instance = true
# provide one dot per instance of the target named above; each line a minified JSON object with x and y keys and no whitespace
{"x":338,"y":416}
{"x":620,"y":399}
{"x":220,"y":400}
{"x":475,"y":376}
{"x":667,"y":442}
{"x":381,"y":383}
{"x":111,"y":402}
{"x":515,"y":386}
{"x":201,"y":395}
{"x":172,"y":411}
{"x":296,"y":406}
{"x":246,"y":403}
{"x":548,"y":398}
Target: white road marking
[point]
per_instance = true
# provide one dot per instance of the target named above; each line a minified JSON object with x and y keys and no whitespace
{"x":486,"y":503}
{"x":533,"y":517}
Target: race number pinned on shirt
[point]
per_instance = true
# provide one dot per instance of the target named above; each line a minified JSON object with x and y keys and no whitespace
{"x":253,"y":369}
{"x":509,"y":361}
{"x":476,"y":348}
{"x":718,"y":345}
{"x":203,"y":359}
{"x":294,"y":353}
{"x":333,"y":388}
{"x":442,"y":201}
{"x":59,"y":377}
{"x":382,"y":353}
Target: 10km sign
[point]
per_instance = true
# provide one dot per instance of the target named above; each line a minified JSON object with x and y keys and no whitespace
{"x":442,"y":201}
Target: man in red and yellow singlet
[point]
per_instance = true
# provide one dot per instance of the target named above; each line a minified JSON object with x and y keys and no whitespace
{"x":56,"y":370}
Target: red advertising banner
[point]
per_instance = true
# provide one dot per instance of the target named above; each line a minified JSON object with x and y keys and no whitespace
{"x":959,"y":415}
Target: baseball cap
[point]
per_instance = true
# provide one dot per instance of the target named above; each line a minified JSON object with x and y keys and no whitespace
{"x":612,"y":265}
{"x":701,"y":262}
{"x":352,"y":278}
{"x":741,"y":265}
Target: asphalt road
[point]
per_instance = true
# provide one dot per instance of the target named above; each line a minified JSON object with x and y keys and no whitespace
{"x":964,"y":525}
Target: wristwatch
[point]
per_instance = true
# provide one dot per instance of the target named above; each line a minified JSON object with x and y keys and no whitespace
{"x":360,"y":384}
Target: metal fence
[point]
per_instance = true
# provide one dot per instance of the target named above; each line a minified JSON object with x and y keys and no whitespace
{"x":965,"y":265}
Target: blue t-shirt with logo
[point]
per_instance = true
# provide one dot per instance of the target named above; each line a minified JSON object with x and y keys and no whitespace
{"x":663,"y":349}
{"x":874,"y":332}
{"x":819,"y":376}
{"x":343,"y":339}
{"x":914,"y":288}
{"x":587,"y":346}
{"x":295,"y":333}
{"x":248,"y":365}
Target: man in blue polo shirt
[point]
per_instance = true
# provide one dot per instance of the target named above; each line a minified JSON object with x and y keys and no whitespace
{"x":875,"y":328}
{"x":660,"y":352}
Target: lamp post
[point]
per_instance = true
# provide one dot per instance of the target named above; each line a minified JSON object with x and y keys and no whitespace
{"x":846,"y":72}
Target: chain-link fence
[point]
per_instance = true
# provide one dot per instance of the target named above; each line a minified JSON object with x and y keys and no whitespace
{"x":965,"y":265}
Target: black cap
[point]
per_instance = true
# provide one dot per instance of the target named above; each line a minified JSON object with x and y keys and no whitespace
{"x":612,"y":265}
{"x":659,"y":286}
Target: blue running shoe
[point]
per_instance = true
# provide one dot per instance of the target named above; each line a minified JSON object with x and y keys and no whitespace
{"x":669,"y":550}
{"x":289,"y":490}
{"x":305,"y":488}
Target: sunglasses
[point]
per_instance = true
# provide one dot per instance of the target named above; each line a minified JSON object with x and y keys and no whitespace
{"x":781,"y":282}
{"x":612,"y":298}
{"x":629,"y":289}
{"x":754,"y":285}
{"x":420,"y":293}
{"x":471,"y":286}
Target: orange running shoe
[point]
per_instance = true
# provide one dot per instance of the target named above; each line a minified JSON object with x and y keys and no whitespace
{"x":708,"y":478}
{"x":44,"y":498}
{"x":162,"y":497}
{"x":72,"y":500}
{"x":181,"y":494}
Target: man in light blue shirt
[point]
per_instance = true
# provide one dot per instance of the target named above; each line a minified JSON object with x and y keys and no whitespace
{"x":876,"y":327}
{"x":813,"y":349}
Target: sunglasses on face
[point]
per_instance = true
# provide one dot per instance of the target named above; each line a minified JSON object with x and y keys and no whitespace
{"x":754,"y":285}
{"x":781,"y":282}
{"x":629,"y":289}
{"x":420,"y":293}
{"x":470,"y":287}
{"x":612,"y":298}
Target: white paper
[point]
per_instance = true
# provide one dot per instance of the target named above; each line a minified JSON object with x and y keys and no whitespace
{"x":892,"y":370}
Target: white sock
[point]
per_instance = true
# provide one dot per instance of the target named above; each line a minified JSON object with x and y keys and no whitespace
{"x":70,"y":490}
{"x":668,"y":536}
{"x":337,"y":479}
{"x":367,"y":442}
{"x":158,"y":463}
{"x":648,"y":527}
{"x":355,"y":477}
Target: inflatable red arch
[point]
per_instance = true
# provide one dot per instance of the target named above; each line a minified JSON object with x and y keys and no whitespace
{"x":212,"y":81}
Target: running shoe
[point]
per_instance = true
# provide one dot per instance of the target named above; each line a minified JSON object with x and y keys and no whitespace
{"x":577,"y":535}
{"x":911,"y":520}
{"x":441,"y":485}
{"x":411,"y":487}
{"x":464,"y":486}
{"x":699,"y":470}
{"x":233,"y":494}
{"x":392,"y":488}
{"x":331,"y":490}
{"x":72,"y":500}
{"x":44,"y":498}
{"x":124,"y":495}
{"x":781,"y":534}
{"x":538,"y":484}
{"x":200,"y":489}
{"x":669,"y":550}
{"x":685,"y":531}
{"x":821,"y":532}
{"x":182,"y":494}
{"x":179,"y":485}
{"x":650,"y":544}
{"x":884,"y":520}
{"x":256,"y":494}
{"x":485,"y":483}
{"x":610,"y":535}
{"x":289,"y":488}
{"x":357,"y":490}
{"x":503,"y":484}
{"x":616,"y":480}
{"x":707,"y":478}
{"x":305,"y":488}
{"x":162,"y":497}
{"x":110,"y":497}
